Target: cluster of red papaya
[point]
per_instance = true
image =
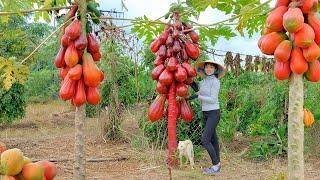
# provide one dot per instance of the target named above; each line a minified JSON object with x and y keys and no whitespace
{"x":173,"y":72}
{"x":292,"y":35}
{"x":77,"y":59}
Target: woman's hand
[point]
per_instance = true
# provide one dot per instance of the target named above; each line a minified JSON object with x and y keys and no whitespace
{"x":194,"y":86}
{"x":178,"y":98}
{"x":192,"y":97}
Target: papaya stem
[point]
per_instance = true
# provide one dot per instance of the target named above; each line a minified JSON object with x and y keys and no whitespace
{"x":34,"y":10}
{"x":117,"y":27}
{"x":134,"y":20}
{"x":44,"y":41}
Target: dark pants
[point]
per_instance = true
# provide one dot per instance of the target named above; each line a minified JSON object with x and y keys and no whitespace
{"x":209,"y":138}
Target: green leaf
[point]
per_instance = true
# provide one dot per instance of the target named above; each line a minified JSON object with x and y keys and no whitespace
{"x":146,"y":29}
{"x":62,"y":2}
{"x":249,"y":19}
{"x":46,"y":16}
{"x":11,"y":72}
{"x":19,"y":5}
{"x":4,"y":19}
{"x":47,"y":3}
{"x":211,"y":35}
{"x":37,"y":16}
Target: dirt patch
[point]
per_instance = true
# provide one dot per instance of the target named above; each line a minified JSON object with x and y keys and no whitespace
{"x":22,"y":125}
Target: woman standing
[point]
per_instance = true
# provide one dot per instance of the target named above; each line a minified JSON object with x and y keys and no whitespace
{"x":208,"y":92}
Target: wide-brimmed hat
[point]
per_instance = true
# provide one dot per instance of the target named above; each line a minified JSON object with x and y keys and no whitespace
{"x":200,"y":67}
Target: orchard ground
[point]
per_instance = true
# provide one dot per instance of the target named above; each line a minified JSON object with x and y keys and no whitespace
{"x":47,"y":132}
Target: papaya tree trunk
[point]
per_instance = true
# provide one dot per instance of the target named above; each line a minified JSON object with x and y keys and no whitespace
{"x":80,"y":157}
{"x":295,"y":128}
{"x":172,"y":124}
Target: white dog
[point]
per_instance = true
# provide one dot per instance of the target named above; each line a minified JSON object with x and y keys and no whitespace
{"x":186,"y":149}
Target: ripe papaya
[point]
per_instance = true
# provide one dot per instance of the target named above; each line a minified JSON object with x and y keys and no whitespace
{"x":73,"y":30}
{"x":283,"y":51}
{"x":275,"y":19}
{"x":312,"y":53}
{"x":282,"y":70}
{"x":313,"y":73}
{"x":268,"y":43}
{"x":298,"y":64}
{"x":293,"y":20}
{"x":305,"y":37}
{"x":314,"y":22}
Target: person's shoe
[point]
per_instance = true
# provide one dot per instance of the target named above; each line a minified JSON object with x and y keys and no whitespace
{"x":212,"y":170}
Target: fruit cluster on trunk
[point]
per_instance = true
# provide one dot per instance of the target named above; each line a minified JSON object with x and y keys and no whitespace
{"x":173,"y":48}
{"x":76,"y":60}
{"x":292,"y":35}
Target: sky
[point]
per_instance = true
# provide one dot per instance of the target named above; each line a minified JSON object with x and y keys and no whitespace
{"x":154,"y":9}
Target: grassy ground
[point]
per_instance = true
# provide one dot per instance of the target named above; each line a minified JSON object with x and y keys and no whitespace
{"x":47,"y":132}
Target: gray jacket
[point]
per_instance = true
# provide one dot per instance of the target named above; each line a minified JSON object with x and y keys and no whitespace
{"x":208,"y":93}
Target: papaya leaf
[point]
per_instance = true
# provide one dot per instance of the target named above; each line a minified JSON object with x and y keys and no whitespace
{"x":62,"y":2}
{"x":46,"y":16}
{"x":255,"y":24}
{"x":4,"y":19}
{"x":146,"y":29}
{"x":252,"y":20}
{"x":211,"y":35}
{"x":47,"y":3}
{"x":248,"y":17}
{"x":37,"y":16}
{"x":248,"y":12}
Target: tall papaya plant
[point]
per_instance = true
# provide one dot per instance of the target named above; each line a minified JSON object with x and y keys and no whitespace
{"x":291,"y":35}
{"x":248,"y":18}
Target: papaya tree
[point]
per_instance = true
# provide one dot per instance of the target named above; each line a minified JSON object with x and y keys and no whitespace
{"x":290,"y":35}
{"x":76,"y":59}
{"x":250,"y":16}
{"x":247,"y":17}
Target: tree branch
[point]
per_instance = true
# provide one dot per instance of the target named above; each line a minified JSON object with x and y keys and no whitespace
{"x":88,"y":160}
{"x":34,"y":10}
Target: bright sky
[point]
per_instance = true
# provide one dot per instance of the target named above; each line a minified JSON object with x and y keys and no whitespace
{"x":154,"y":9}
